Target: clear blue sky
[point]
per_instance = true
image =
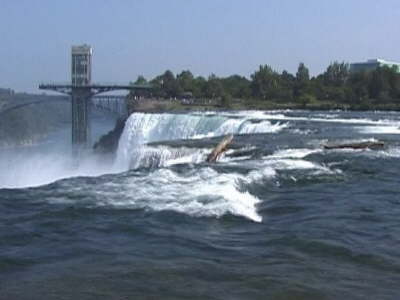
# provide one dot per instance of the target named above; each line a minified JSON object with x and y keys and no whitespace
{"x":132,"y":37}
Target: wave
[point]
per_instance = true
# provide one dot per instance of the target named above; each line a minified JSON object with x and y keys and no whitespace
{"x":200,"y":192}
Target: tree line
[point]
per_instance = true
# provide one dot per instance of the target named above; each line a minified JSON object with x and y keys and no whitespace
{"x":335,"y":85}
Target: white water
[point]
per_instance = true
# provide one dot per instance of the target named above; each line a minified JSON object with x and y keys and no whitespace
{"x":199,"y":192}
{"x":33,"y":168}
{"x":388,"y":129}
{"x":46,"y":163}
{"x":294,"y":153}
{"x":203,"y":192}
{"x":142,"y":128}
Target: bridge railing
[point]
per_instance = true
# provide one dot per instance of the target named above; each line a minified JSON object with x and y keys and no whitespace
{"x":101,"y":84}
{"x":114,"y":104}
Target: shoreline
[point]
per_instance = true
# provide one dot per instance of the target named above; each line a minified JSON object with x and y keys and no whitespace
{"x":176,"y":106}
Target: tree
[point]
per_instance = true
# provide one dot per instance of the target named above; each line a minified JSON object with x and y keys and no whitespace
{"x":302,"y":75}
{"x":185,"y":80}
{"x":214,"y":87}
{"x":199,"y":87}
{"x":336,"y":74}
{"x":237,"y":86}
{"x":335,"y":84}
{"x":141,"y":80}
{"x":358,"y":85}
{"x":265,"y":83}
{"x":377,"y":84}
{"x":286,"y":86}
{"x":170,"y":85}
{"x":302,"y":80}
{"x":139,"y":93}
{"x":331,"y":85}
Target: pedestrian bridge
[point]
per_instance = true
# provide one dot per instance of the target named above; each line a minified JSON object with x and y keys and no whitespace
{"x":113,"y":104}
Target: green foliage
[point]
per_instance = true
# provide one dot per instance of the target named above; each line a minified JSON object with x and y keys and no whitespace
{"x":302,"y":75}
{"x":265,"y":83}
{"x":307,"y":99}
{"x":335,"y":85}
{"x":141,"y":80}
{"x":186,"y":81}
{"x":237,"y":86}
{"x":302,"y":82}
{"x":213,"y":87}
{"x":336,"y":74}
{"x":166,"y":85}
{"x":226,"y":100}
{"x":199,"y":87}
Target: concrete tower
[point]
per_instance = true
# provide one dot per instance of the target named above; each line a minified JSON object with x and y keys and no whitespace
{"x":81,"y":77}
{"x":81,"y":65}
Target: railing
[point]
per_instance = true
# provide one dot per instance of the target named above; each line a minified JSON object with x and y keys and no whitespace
{"x":113,"y":104}
{"x":96,"y":84}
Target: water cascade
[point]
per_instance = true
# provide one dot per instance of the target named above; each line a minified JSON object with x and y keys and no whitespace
{"x":142,"y":128}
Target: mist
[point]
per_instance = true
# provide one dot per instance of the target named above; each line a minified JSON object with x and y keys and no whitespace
{"x":50,"y":158}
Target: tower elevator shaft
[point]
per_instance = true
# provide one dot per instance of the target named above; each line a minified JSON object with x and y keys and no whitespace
{"x":81,"y":117}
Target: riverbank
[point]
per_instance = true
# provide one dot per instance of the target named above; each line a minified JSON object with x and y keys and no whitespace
{"x":176,"y":106}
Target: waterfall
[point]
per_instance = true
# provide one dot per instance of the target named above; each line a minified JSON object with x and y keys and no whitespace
{"x":143,"y":128}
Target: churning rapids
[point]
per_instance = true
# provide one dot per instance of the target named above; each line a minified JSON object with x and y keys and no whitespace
{"x":278,"y":217}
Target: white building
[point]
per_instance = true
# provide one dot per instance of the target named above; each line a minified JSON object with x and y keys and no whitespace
{"x":372,"y":64}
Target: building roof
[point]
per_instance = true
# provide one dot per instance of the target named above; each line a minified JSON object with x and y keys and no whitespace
{"x":82,"y":49}
{"x":378,"y":61}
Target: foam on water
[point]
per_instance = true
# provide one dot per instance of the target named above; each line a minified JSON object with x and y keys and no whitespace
{"x":142,"y":128}
{"x":265,"y":172}
{"x":292,"y":164}
{"x":393,"y":152}
{"x":162,"y":156}
{"x":294,"y":153}
{"x":202,"y":192}
{"x":389,"y":152}
{"x":325,"y":119}
{"x":198,"y":192}
{"x":43,"y":166}
{"x":379,"y":129}
{"x":268,"y":166}
{"x":377,"y":126}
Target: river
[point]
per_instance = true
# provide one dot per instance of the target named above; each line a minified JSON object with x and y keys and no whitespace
{"x":278,"y":217}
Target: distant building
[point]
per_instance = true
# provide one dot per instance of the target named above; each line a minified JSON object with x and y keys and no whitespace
{"x":372,"y":64}
{"x":81,"y":64}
